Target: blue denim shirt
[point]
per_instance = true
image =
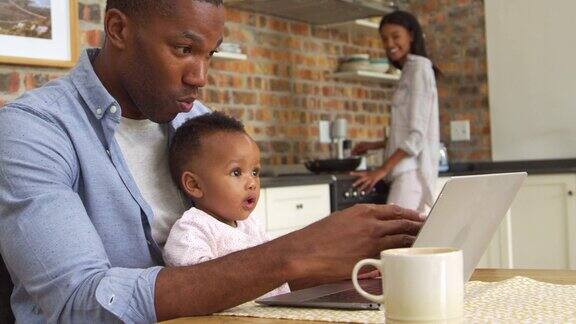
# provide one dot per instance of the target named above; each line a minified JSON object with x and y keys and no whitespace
{"x":74,"y":229}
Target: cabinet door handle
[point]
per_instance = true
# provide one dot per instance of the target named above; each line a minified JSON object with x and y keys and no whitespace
{"x":299,"y":206}
{"x":570,"y":193}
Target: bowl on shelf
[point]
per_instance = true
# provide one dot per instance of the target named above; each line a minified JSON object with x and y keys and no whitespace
{"x":230,"y":48}
{"x":361,"y":56}
{"x":379,"y":64}
{"x":333,"y":165}
{"x":354,"y":62}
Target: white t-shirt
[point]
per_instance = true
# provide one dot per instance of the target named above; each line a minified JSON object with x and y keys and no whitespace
{"x":198,"y":237}
{"x":144,"y":145}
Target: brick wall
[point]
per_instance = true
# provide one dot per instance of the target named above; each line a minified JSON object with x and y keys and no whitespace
{"x":280,"y":92}
{"x":456,"y":41}
{"x":284,"y":87}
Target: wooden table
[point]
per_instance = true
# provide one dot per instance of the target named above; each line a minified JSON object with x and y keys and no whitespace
{"x":488,"y":275}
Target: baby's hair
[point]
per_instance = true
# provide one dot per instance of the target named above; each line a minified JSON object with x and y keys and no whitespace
{"x":186,"y":142}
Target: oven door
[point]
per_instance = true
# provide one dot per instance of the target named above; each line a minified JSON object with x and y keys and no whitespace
{"x":344,"y":195}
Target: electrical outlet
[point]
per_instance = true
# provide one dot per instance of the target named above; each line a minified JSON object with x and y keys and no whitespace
{"x":324,"y":131}
{"x":460,"y":130}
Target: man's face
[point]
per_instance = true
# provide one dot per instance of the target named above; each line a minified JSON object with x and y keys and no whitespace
{"x":166,"y":58}
{"x":228,"y":174}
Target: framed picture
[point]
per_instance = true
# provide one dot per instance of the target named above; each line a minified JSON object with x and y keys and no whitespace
{"x":39,"y":32}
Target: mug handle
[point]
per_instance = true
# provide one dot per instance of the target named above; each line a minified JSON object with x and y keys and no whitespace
{"x":375,"y":263}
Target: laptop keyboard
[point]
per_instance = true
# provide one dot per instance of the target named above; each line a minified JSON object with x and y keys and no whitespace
{"x":351,"y":296}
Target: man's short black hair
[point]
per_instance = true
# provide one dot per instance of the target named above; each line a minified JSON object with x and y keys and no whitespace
{"x":187,"y":139}
{"x":142,"y":8}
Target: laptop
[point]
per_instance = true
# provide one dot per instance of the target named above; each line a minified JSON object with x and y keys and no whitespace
{"x":465,"y":215}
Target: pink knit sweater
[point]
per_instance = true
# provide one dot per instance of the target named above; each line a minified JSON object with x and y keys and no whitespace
{"x":198,"y":237}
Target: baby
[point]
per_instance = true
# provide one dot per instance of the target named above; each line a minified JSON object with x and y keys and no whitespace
{"x":217,"y":165}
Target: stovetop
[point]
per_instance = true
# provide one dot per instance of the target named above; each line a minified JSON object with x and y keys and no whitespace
{"x":295,"y":180}
{"x":342,"y":192}
{"x":335,"y":176}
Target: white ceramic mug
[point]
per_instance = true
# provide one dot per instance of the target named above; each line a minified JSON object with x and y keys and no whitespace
{"x":418,"y":284}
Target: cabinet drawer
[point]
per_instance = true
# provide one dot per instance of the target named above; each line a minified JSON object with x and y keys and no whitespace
{"x":297,"y":206}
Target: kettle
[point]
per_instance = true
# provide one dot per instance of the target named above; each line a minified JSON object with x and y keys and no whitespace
{"x":443,"y":160}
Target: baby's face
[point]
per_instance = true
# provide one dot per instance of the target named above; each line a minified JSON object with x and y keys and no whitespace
{"x":229,"y":176}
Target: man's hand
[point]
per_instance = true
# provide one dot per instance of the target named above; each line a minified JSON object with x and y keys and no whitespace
{"x":323,"y":252}
{"x":329,"y":248}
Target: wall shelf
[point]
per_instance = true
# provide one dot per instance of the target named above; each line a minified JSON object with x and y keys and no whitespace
{"x":362,"y":75}
{"x":230,"y":56}
{"x":358,"y":25}
{"x":316,"y":12}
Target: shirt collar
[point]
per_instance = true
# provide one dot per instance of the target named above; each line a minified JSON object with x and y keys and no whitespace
{"x":89,"y":85}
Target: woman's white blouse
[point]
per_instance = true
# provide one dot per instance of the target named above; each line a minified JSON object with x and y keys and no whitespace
{"x":414,"y":123}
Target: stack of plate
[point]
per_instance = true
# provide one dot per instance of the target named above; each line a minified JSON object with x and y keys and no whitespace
{"x":379,"y":64}
{"x":363,"y":62}
{"x":230,"y":48}
{"x":355,"y":62}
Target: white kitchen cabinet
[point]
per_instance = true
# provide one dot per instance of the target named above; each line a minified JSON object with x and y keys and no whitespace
{"x":539,"y":230}
{"x":260,"y":210}
{"x":286,"y":209}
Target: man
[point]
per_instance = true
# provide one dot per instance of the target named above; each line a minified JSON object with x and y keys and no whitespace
{"x":74,"y":222}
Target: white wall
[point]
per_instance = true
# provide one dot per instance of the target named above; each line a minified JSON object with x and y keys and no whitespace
{"x":532,"y":78}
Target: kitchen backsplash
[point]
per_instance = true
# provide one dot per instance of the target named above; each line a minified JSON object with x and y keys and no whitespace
{"x":284,"y":87}
{"x":456,"y":39}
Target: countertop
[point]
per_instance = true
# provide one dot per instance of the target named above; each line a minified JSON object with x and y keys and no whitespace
{"x":456,"y":169}
{"x":295,"y":180}
{"x":487,"y":275}
{"x":532,"y":167}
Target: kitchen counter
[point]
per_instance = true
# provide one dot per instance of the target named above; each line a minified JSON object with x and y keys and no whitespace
{"x":342,"y":192}
{"x":295,"y":180}
{"x":456,"y":169}
{"x":532,"y":167}
{"x":486,"y":275}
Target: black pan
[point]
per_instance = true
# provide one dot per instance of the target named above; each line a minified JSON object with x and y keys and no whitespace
{"x":333,"y":165}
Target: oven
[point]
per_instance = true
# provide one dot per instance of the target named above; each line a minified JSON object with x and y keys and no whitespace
{"x":344,"y":195}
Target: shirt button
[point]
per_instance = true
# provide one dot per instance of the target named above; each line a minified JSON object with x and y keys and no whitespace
{"x":108,"y":152}
{"x":113,"y":109}
{"x":99,"y":111}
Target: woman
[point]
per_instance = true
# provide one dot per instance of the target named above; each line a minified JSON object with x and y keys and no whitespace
{"x":411,"y":152}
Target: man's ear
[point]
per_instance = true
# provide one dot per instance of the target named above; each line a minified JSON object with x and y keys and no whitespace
{"x":191,"y":185}
{"x":116,"y":28}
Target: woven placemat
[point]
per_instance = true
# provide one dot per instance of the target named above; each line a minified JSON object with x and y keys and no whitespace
{"x":515,"y":300}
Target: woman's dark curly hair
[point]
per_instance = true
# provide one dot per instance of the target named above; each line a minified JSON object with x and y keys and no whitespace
{"x":411,"y":24}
